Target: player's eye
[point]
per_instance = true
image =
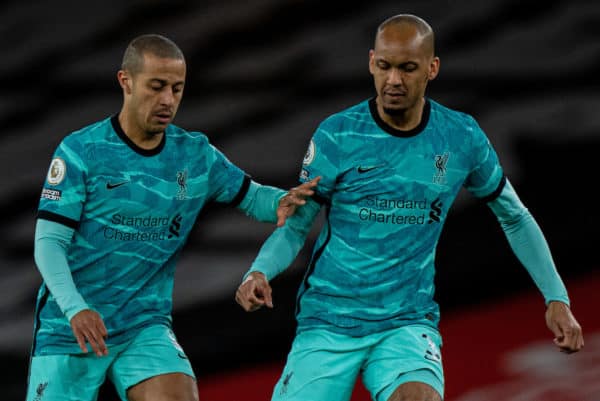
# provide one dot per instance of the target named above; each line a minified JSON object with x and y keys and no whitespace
{"x":410,"y":67}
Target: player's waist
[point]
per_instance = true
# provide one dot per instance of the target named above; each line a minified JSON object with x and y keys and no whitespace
{"x":363,"y":324}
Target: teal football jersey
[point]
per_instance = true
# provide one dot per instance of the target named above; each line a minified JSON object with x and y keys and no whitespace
{"x":387,"y":194}
{"x":132,"y":211}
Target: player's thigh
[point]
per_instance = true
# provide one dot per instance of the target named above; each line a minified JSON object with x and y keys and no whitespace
{"x":66,"y":377}
{"x":165,"y":387}
{"x":154,"y":360}
{"x":415,"y":391}
{"x":321,"y":366}
{"x":409,"y":354}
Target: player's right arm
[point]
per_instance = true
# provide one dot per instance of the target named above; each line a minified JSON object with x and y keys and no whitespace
{"x":320,"y":164}
{"x":50,"y":252}
{"x":277,"y":254}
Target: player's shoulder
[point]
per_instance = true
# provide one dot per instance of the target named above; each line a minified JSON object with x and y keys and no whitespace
{"x":179,"y":134}
{"x":451,"y":116}
{"x":87,"y":134}
{"x":352,"y":113}
{"x":346,"y":118}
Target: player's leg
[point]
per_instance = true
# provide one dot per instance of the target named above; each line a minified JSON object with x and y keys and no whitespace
{"x":415,"y":391}
{"x":66,"y":377}
{"x":406,"y":365}
{"x":165,"y":387}
{"x":321,"y":366}
{"x":154,"y":367}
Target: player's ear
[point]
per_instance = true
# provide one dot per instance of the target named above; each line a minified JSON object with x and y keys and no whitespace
{"x":434,"y":68}
{"x":124,"y":81}
{"x":372,"y":61}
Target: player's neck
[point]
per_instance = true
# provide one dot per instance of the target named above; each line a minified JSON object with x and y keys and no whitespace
{"x":404,"y":120}
{"x":137,"y":135}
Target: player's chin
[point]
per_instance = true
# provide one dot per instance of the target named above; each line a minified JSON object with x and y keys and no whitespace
{"x":157,"y":127}
{"x":393,"y":105}
{"x":393,"y":109}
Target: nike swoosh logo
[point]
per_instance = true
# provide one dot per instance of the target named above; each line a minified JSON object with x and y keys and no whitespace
{"x":362,"y":169}
{"x":113,"y":186}
{"x":182,"y":355}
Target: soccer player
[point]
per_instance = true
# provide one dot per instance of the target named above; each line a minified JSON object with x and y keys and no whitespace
{"x":391,"y":167}
{"x":119,"y":201}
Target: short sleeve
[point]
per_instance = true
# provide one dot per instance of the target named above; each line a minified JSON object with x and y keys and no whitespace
{"x":487,"y":175}
{"x":322,"y":159}
{"x":64,"y":190}
{"x":225,"y":178}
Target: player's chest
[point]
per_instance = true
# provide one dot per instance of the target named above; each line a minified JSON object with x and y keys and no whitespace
{"x":143,"y":186}
{"x":403,"y":166}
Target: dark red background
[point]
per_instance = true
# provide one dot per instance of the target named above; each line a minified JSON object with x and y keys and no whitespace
{"x":477,"y":344}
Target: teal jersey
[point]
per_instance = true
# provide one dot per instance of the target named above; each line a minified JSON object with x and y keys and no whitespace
{"x":132,"y":211}
{"x":387,"y":194}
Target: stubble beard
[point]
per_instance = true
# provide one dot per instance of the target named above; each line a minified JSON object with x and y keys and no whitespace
{"x":393,"y":112}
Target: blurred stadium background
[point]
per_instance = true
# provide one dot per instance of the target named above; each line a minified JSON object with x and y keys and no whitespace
{"x":261,"y":75}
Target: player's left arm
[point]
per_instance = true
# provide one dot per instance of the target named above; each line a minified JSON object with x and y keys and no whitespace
{"x":230,"y":184}
{"x":270,"y":204}
{"x":531,"y":248}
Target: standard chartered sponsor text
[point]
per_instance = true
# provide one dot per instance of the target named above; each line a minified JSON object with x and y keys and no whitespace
{"x":384,"y":210}
{"x":145,"y":228}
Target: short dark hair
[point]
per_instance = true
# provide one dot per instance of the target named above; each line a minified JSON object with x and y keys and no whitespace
{"x":158,"y":45}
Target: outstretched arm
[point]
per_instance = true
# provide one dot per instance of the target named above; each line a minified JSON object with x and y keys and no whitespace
{"x":277,"y":254}
{"x":529,"y":245}
{"x":269,"y":204}
{"x":294,"y":198}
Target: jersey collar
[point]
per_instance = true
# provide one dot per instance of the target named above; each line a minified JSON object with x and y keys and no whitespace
{"x":397,"y":132}
{"x":114,"y":120}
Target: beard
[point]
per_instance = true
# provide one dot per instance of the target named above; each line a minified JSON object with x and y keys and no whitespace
{"x":393,"y":112}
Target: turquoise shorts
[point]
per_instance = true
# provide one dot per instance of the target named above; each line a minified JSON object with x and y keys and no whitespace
{"x":78,"y":377}
{"x":324,"y":366}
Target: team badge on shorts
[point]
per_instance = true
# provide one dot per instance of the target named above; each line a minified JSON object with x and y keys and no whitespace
{"x":285,"y":383}
{"x":39,"y":391}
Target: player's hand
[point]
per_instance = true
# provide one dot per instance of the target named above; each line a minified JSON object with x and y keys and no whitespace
{"x":88,"y":326}
{"x":254,"y":292}
{"x":567,"y":332}
{"x":294,"y":198}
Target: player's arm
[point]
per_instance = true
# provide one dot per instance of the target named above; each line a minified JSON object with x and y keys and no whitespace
{"x":50,"y":253}
{"x":269,"y":204}
{"x":281,"y":248}
{"x":531,"y":248}
{"x":277,"y":254}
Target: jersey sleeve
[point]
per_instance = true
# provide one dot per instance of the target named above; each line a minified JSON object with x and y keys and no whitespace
{"x":283,"y":245}
{"x":486,"y":178}
{"x":261,"y":202}
{"x":50,"y":254}
{"x":227,"y":182}
{"x":529,"y":244}
{"x":322,"y":159}
{"x":63,"y":193}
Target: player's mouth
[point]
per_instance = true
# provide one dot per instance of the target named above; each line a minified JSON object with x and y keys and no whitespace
{"x":163,"y":117}
{"x":394,"y":95}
